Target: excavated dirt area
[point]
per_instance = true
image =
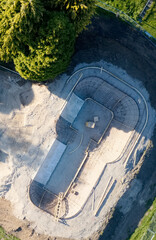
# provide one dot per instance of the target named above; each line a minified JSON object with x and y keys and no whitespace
{"x":106,"y":40}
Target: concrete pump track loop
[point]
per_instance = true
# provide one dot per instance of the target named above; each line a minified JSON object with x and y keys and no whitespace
{"x":63,"y":189}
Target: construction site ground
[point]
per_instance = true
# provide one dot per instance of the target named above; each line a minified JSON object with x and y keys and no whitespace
{"x":25,"y":142}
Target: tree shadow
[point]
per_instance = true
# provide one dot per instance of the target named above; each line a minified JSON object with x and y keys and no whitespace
{"x":111,"y":40}
{"x":106,"y":197}
{"x":3,"y":156}
{"x":14,"y":92}
{"x":122,"y":225}
{"x":17,"y":144}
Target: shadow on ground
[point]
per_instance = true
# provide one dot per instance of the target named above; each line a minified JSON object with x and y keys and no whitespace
{"x":114,"y":41}
{"x":14,"y":92}
{"x":123,"y":224}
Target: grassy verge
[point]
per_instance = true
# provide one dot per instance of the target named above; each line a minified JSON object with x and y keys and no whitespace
{"x":149,"y":22}
{"x":147,"y":227}
{"x":5,"y":236}
{"x":133,"y":9}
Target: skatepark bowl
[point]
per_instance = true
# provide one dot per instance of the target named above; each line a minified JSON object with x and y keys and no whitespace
{"x":80,"y":153}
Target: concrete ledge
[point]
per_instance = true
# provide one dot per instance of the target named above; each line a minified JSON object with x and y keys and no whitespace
{"x":72,"y":108}
{"x":50,"y":162}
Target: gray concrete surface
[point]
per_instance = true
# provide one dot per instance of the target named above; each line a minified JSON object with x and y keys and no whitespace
{"x":72,"y":157}
{"x":84,"y":223}
{"x":50,"y":162}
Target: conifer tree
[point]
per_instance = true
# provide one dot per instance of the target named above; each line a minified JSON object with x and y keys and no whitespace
{"x":80,"y":11}
{"x":19,"y":20}
{"x":53,"y":50}
{"x":39,"y":35}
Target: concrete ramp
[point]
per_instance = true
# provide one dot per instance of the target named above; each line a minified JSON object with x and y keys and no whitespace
{"x":50,"y":162}
{"x":72,"y":108}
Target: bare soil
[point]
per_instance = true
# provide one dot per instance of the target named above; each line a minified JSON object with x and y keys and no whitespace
{"x":16,"y":227}
{"x":111,"y":40}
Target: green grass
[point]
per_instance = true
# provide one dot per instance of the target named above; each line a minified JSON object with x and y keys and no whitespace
{"x":133,"y":8}
{"x":149,"y":22}
{"x":6,"y":236}
{"x":130,"y":7}
{"x":147,"y":222}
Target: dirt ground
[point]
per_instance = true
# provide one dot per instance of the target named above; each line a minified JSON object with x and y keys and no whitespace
{"x":113,"y":41}
{"x":16,"y":227}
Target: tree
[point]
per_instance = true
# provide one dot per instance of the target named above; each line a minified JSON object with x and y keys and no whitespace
{"x":53,"y":50}
{"x":39,"y":35}
{"x":79,"y":11}
{"x":17,"y":21}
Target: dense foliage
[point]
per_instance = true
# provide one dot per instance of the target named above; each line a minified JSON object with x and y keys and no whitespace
{"x":17,"y":21}
{"x":149,"y":21}
{"x":52,"y":49}
{"x":39,"y":35}
{"x":79,"y":11}
{"x":132,"y":7}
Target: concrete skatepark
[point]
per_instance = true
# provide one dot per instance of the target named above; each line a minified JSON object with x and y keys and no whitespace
{"x":66,"y":177}
{"x":75,"y":165}
{"x":30,"y":123}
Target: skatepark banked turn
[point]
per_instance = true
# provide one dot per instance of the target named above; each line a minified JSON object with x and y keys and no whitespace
{"x":79,"y":155}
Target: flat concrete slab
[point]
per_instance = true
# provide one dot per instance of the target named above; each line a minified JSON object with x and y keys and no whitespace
{"x":50,"y":162}
{"x":72,"y":108}
{"x":76,"y":150}
{"x":89,"y":110}
{"x":68,"y":165}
